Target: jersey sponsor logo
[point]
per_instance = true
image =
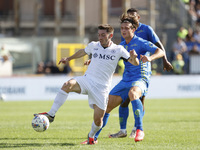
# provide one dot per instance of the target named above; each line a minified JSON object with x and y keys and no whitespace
{"x":106,"y":57}
{"x":140,"y":31}
{"x":134,"y":45}
{"x":95,"y":49}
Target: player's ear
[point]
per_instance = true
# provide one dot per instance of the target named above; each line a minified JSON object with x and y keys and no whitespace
{"x":111,"y":35}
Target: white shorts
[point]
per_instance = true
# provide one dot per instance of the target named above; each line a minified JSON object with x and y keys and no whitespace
{"x":97,"y":93}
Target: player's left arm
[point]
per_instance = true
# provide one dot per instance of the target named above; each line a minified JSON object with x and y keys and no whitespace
{"x":133,"y":58}
{"x":158,"y":54}
{"x":166,"y":64}
{"x":155,"y":39}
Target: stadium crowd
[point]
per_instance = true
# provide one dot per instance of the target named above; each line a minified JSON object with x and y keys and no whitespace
{"x":50,"y":68}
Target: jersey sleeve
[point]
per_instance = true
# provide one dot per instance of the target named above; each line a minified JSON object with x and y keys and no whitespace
{"x":125,"y":54}
{"x":149,"y":47}
{"x":89,"y":48}
{"x":152,"y":35}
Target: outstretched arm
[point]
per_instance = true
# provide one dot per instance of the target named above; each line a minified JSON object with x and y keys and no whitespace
{"x":166,"y":64}
{"x":158,"y":54}
{"x":78,"y":54}
{"x":133,"y":58}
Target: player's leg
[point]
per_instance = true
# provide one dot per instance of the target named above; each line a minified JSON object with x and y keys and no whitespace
{"x":113,"y":102}
{"x":133,"y":132}
{"x":69,"y":86}
{"x":124,"y":113}
{"x":134,"y":94}
{"x":97,"y":123}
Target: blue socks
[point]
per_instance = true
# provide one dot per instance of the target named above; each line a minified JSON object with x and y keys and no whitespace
{"x":123,"y":116}
{"x":138,"y":113}
{"x":105,"y":120}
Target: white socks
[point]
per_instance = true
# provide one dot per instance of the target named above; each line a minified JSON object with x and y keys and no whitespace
{"x":94,"y":130}
{"x":58,"y":102}
{"x":123,"y":130}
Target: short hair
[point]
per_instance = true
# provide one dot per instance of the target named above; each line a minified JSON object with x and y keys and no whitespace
{"x":126,"y":18}
{"x":109,"y":29}
{"x":133,"y":11}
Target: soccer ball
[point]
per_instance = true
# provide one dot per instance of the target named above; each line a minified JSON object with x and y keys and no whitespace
{"x":40,"y":123}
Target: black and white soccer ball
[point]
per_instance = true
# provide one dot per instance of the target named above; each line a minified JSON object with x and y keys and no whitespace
{"x":40,"y":123}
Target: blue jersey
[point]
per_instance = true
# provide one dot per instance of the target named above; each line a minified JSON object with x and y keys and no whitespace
{"x":146,"y":32}
{"x":143,"y":70}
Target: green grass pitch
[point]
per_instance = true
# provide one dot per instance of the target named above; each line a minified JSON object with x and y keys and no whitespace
{"x":171,"y":124}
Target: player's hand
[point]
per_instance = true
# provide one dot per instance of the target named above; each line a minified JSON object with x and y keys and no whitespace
{"x":144,"y":58}
{"x":87,"y":62}
{"x":167,"y":65}
{"x":133,"y":54}
{"x":64,"y":60}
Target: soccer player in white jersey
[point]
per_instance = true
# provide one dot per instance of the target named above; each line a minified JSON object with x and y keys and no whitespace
{"x":97,"y":79}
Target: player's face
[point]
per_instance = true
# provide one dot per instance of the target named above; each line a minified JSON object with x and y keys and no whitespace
{"x":104,"y":38}
{"x":127,"y":30}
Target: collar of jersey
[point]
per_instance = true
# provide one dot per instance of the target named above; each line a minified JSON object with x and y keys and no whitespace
{"x":106,"y":47}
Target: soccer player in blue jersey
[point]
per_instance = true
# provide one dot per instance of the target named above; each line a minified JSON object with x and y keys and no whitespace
{"x":135,"y":79}
{"x":146,"y":32}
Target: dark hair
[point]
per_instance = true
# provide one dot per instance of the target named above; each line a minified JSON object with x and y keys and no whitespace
{"x":109,"y":29}
{"x":132,"y":10}
{"x":130,"y":19}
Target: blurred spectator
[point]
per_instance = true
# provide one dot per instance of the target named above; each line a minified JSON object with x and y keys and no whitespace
{"x":178,"y":64}
{"x":179,"y":47}
{"x":197,"y":35}
{"x":182,"y":32}
{"x":40,"y":68}
{"x":192,"y":10}
{"x":194,"y":50}
{"x":198,"y":12}
{"x":49,"y":68}
{"x":4,"y":54}
{"x":190,"y":36}
{"x":186,"y":1}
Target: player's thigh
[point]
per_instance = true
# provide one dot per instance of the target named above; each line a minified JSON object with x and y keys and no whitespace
{"x":98,"y":115}
{"x":71,"y":86}
{"x":113,"y":101}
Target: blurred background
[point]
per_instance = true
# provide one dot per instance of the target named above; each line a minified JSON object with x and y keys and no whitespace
{"x":35,"y":34}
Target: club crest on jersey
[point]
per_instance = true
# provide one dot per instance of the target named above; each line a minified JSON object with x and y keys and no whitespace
{"x":150,"y":45}
{"x":113,"y":51}
{"x":95,"y":55}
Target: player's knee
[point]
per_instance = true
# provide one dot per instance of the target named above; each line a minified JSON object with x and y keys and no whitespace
{"x":98,"y":122}
{"x":133,"y":95}
{"x":67,"y":86}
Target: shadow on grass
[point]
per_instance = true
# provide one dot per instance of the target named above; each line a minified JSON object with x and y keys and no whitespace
{"x":15,"y":145}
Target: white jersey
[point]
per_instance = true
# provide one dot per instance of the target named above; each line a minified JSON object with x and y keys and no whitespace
{"x":104,"y":61}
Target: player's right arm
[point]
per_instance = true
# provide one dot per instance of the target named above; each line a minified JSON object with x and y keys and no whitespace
{"x":78,"y":54}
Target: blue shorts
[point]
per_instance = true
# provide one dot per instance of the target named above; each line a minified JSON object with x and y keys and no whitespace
{"x":122,"y":88}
